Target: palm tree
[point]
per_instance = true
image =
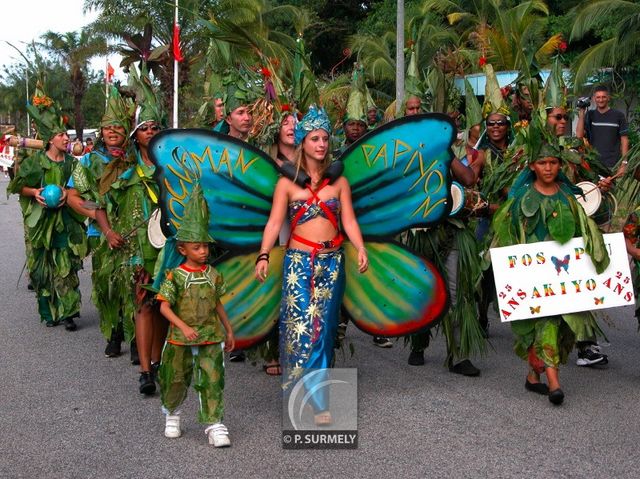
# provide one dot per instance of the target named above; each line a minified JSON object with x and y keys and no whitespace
{"x":624,"y":44}
{"x":214,"y":34}
{"x":75,"y":49}
{"x":510,"y":38}
{"x":242,"y":31}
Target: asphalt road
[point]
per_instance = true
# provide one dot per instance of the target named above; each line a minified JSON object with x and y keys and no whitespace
{"x":68,"y":412}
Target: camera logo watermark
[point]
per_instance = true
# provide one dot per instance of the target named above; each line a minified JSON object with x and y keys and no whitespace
{"x":320,"y":410}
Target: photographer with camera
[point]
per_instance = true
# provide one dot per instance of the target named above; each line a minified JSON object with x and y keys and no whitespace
{"x":604,"y":127}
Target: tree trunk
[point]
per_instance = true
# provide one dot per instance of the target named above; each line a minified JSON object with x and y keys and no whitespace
{"x":78,"y":89}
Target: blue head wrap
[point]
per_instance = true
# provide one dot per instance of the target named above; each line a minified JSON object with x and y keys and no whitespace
{"x":315,"y":119}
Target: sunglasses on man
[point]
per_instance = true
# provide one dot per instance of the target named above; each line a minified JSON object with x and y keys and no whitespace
{"x":147,"y":127}
{"x":497,"y":122}
{"x":559,"y":116}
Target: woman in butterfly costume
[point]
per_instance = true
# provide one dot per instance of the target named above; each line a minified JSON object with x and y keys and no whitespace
{"x":400,"y":294}
{"x":318,"y":199}
{"x":542,"y":207}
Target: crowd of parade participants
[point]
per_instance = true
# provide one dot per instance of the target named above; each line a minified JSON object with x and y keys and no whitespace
{"x":511,"y":149}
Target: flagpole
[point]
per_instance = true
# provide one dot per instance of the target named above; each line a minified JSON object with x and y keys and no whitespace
{"x":175,"y":79}
{"x":399,"y":57}
{"x":106,"y":82}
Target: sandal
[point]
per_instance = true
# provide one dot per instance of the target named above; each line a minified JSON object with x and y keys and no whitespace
{"x":271,"y":367}
{"x":323,"y":419}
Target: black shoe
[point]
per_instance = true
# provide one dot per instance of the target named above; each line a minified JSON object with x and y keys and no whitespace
{"x":147,"y":384}
{"x":556,"y":396}
{"x":237,"y":356}
{"x":133,"y":350}
{"x":30,"y":287}
{"x":69,"y":324}
{"x":114,"y":346}
{"x":539,"y":388}
{"x":591,"y":355}
{"x":52,"y":324}
{"x":465,"y":367}
{"x":416,"y":358}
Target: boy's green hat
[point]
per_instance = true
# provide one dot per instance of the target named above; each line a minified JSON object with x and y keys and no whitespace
{"x":195,"y":220}
{"x":46,"y":115}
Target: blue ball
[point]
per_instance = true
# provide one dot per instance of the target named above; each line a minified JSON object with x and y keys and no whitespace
{"x":52,"y":195}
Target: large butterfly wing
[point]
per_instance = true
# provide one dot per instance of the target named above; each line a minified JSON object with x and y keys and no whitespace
{"x":237,"y":180}
{"x":399,"y":174}
{"x":253,"y":307}
{"x":400,"y":293}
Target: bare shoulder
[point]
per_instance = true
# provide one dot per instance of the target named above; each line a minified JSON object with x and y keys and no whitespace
{"x":342,"y":182}
{"x":284,"y":184}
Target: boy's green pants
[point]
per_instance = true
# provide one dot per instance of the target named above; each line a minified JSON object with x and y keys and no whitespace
{"x":205,"y":364}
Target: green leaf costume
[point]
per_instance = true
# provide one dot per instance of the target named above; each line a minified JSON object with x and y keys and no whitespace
{"x":129,"y":202}
{"x":528,"y":217}
{"x":57,"y":238}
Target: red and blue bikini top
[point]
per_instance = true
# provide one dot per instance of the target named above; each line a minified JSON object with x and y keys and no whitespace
{"x":313,"y":210}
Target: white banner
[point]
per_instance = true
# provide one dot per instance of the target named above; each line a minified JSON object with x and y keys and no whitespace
{"x":548,"y":278}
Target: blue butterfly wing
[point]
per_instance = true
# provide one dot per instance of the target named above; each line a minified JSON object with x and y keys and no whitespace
{"x":400,"y":174}
{"x":237,"y":179}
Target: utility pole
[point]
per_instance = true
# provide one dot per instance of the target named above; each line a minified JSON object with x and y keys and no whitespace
{"x":26,"y":73}
{"x":399,"y":57}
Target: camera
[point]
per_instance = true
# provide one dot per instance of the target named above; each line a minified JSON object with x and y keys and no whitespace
{"x":583,"y":102}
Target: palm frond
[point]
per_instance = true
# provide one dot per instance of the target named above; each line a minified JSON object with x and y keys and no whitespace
{"x":598,"y":56}
{"x":592,"y":13}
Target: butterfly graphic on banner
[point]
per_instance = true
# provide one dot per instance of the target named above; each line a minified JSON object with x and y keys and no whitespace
{"x":561,"y":264}
{"x":599,"y":300}
{"x":398,"y":180}
{"x":534,"y":309}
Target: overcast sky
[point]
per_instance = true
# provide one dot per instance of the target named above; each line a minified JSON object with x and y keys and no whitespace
{"x":25,"y":20}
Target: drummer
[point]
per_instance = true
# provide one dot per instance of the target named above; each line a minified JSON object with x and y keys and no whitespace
{"x":500,"y":168}
{"x":586,"y":167}
{"x":443,"y":245}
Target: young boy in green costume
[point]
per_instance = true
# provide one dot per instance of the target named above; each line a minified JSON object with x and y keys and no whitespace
{"x":542,"y":207}
{"x":190,"y":299}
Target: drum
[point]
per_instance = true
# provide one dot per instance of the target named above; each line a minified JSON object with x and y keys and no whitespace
{"x":457,"y":198}
{"x":605,"y":213}
{"x":154,"y":230}
{"x":465,"y":202}
{"x":591,"y":197}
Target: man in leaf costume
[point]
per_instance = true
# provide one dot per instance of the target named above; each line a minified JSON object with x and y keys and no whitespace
{"x":582,"y":164}
{"x":452,"y":246}
{"x":239,"y":91}
{"x":55,"y":233}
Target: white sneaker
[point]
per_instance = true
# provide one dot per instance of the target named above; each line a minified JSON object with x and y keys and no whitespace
{"x":172,"y":427}
{"x":218,"y":435}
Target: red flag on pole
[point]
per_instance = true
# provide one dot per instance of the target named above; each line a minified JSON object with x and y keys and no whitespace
{"x":177,"y":54}
{"x":110,"y":72}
